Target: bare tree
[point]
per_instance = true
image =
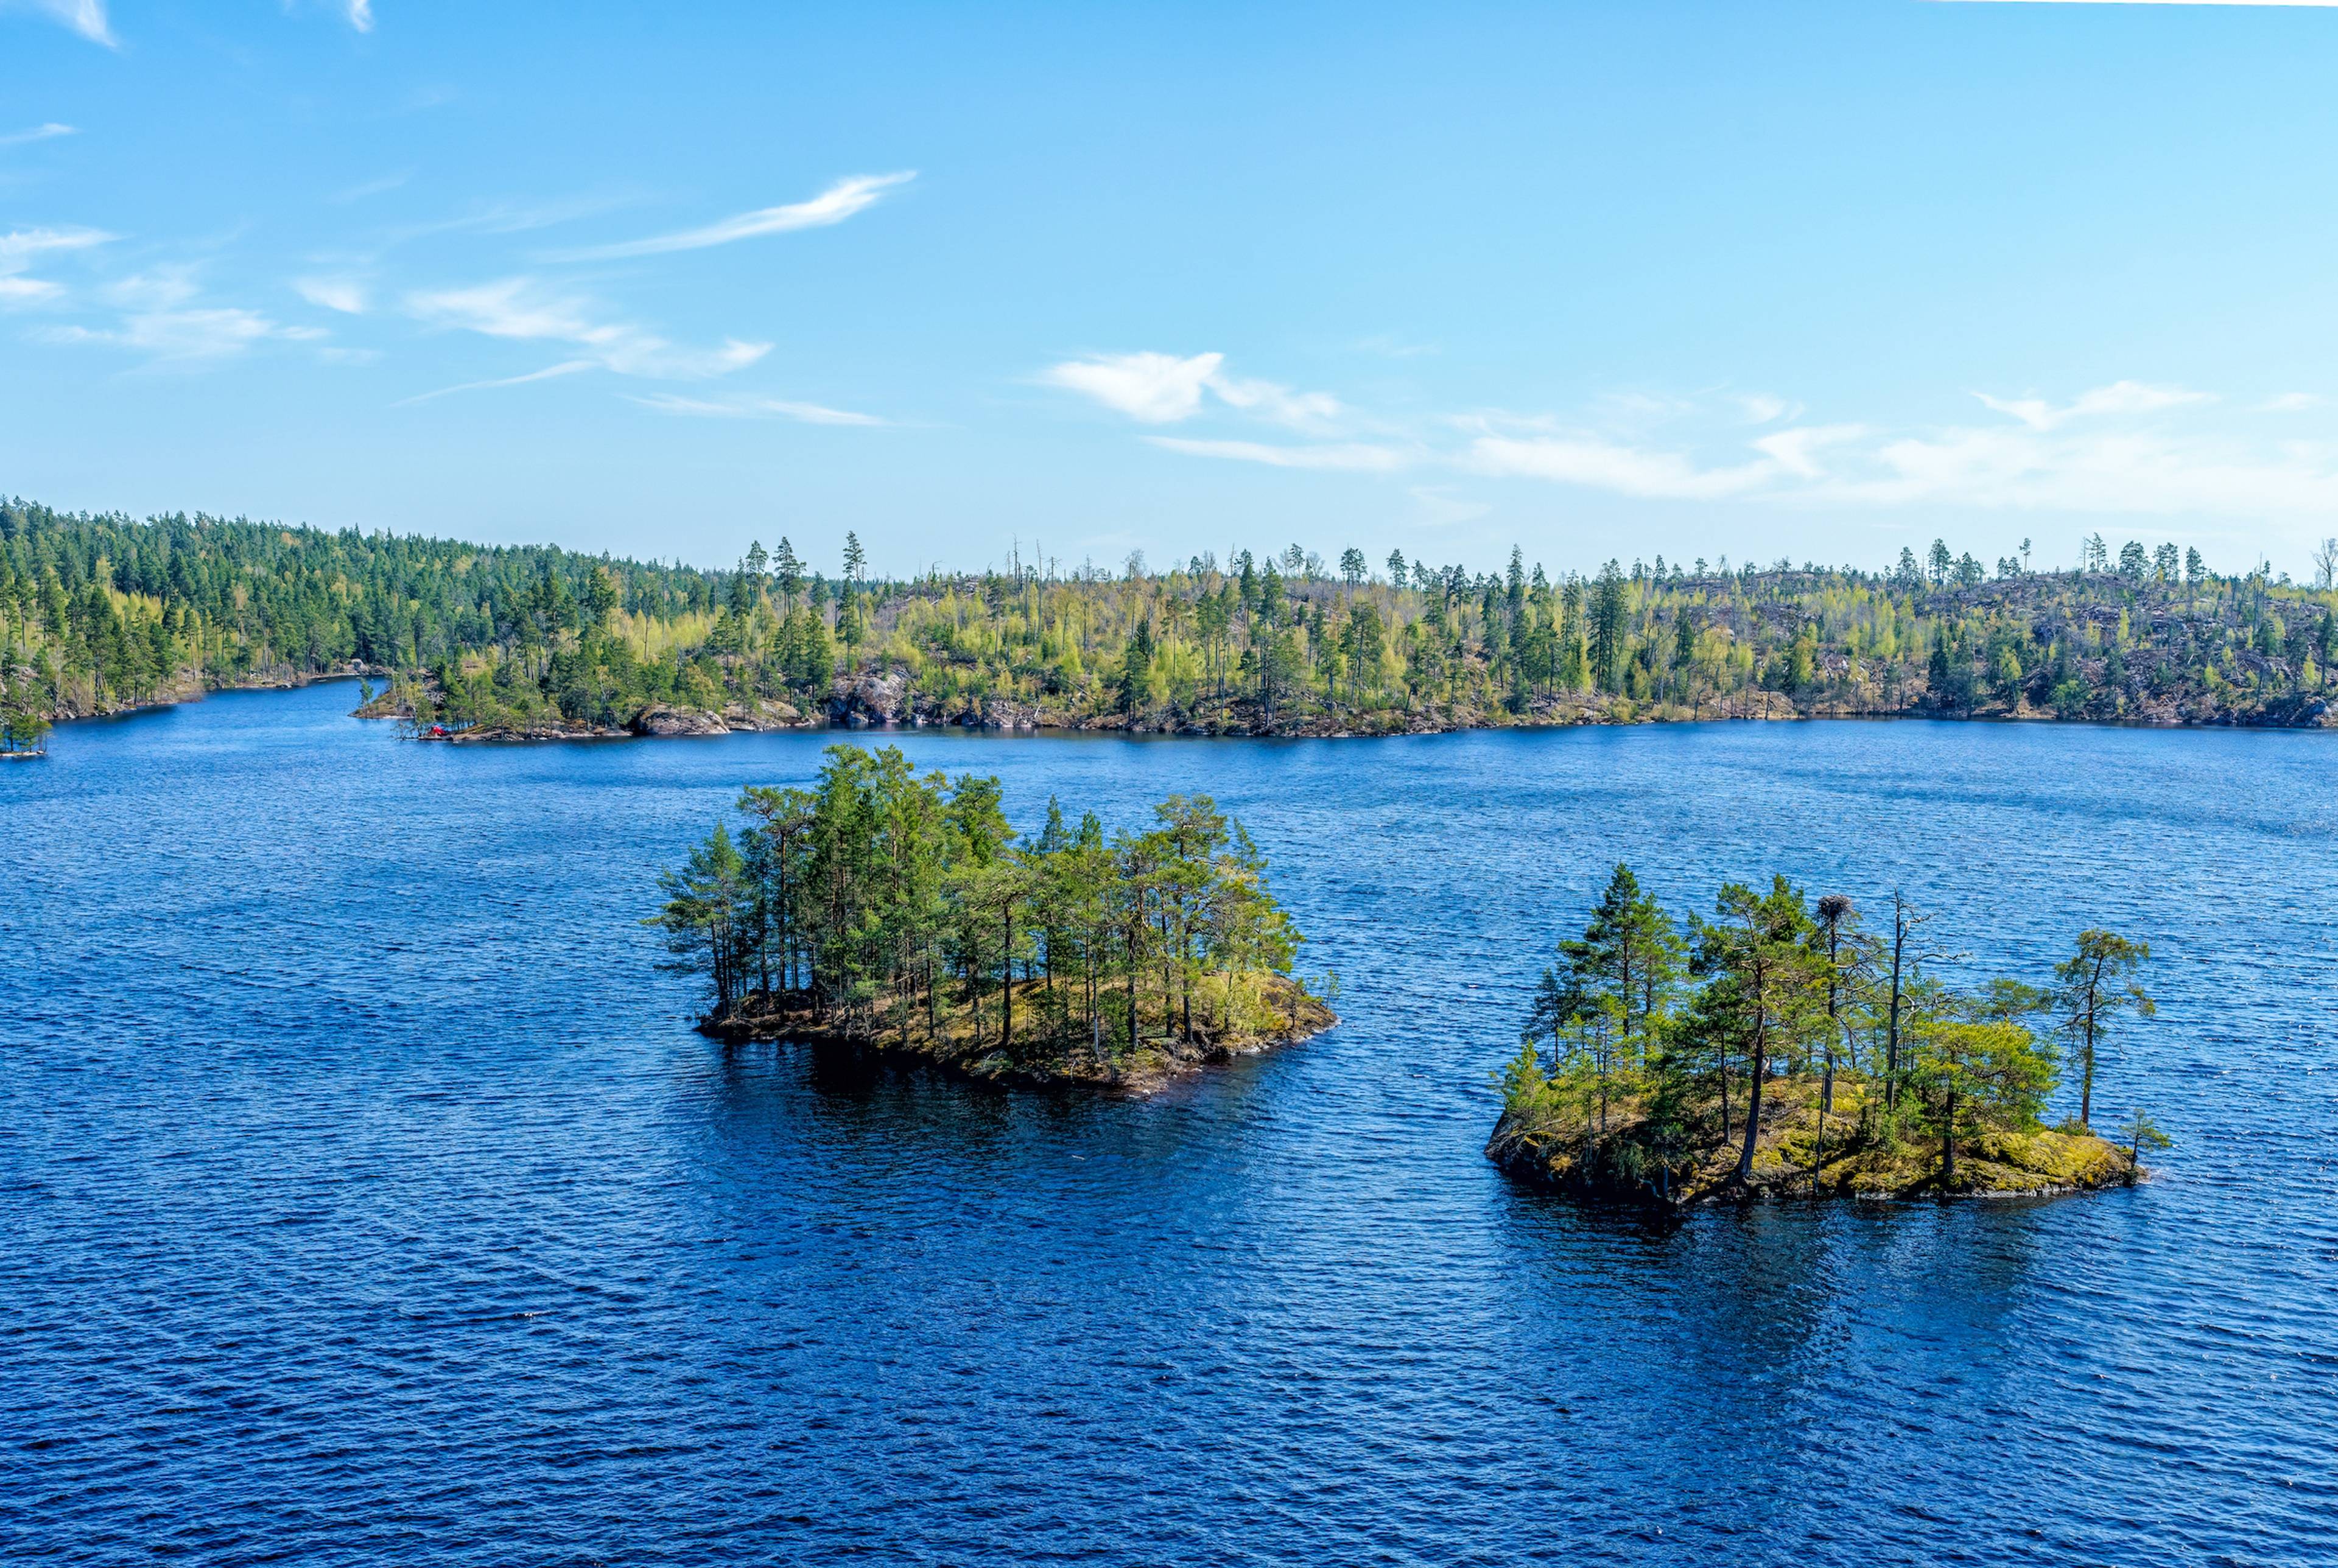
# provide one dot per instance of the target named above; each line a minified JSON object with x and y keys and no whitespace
{"x":2325,"y":565}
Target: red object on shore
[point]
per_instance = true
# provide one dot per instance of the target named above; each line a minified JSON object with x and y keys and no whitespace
{"x":437,"y":729}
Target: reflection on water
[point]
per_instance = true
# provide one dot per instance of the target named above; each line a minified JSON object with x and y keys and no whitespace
{"x":364,"y":1195}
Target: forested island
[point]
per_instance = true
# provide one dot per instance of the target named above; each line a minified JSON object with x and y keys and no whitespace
{"x":1784,"y":1049}
{"x":99,"y":614}
{"x":900,"y":912}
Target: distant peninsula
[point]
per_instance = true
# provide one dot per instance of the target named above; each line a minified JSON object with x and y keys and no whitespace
{"x":899,"y":914}
{"x":1781,"y":1049}
{"x":102,"y":614}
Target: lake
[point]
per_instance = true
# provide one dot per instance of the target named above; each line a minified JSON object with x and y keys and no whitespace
{"x":366,"y":1196}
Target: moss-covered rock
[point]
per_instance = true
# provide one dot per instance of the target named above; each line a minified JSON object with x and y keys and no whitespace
{"x":1795,"y":1155}
{"x":1281,"y":1012}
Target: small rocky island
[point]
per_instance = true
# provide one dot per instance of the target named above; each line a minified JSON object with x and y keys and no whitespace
{"x":1782,"y":1049}
{"x":899,"y":914}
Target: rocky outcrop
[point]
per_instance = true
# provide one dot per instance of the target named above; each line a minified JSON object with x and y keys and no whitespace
{"x":662,"y":721}
{"x":764,"y":714}
{"x":1000,"y":715}
{"x":874,"y":698}
{"x":960,"y":1049}
{"x":1621,"y":1166}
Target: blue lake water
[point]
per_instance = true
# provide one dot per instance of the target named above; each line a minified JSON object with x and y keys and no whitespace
{"x":365,"y":1195}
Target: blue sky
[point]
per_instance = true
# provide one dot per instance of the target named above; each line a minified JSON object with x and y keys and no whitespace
{"x":1818,"y":281}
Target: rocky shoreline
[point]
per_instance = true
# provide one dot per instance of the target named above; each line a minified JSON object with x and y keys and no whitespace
{"x":1159,"y":1061}
{"x":1614,"y":1168}
{"x":190,"y":686}
{"x":888,"y":702}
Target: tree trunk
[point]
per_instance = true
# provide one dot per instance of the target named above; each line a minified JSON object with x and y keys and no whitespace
{"x":1753,"y":1103}
{"x":1949,"y":1144}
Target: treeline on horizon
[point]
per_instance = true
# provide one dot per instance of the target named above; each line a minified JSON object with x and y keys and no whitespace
{"x":102,"y":612}
{"x":884,"y":904}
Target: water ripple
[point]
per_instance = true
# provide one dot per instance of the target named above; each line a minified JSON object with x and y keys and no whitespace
{"x":365,"y":1196}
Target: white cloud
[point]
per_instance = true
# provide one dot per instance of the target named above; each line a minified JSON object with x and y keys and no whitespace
{"x":360,"y":14}
{"x":1344,"y":456}
{"x":1164,"y":389}
{"x":158,"y":316}
{"x":1388,"y":345}
{"x":754,"y":409}
{"x":21,"y":247}
{"x":185,"y":337}
{"x":1300,"y":410}
{"x":833,"y":205}
{"x":2142,"y":472}
{"x":1763,"y":409}
{"x":523,"y":308}
{"x":565,"y":368}
{"x":2129,"y":447}
{"x":1156,"y":389}
{"x":18,"y":247}
{"x":2118,"y":397}
{"x":86,"y":17}
{"x":1603,"y":465}
{"x":343,"y":294}
{"x":359,"y":192}
{"x":1796,"y":450}
{"x":36,"y":134}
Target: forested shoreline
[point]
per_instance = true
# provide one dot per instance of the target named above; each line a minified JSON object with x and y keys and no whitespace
{"x":1784,"y":1048}
{"x":886,"y":909}
{"x":99,"y":614}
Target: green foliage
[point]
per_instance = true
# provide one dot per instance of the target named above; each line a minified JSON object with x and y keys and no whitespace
{"x":2140,"y":1133}
{"x":2093,"y":987}
{"x":1779,"y":997}
{"x":99,"y":612}
{"x":887,"y":903}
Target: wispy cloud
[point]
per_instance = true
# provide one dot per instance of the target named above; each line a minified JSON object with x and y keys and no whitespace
{"x":1267,"y":400}
{"x":36,"y":134}
{"x":1388,"y":345}
{"x":1350,"y":456}
{"x":753,"y":408}
{"x":1765,"y":408}
{"x":360,"y":14}
{"x":1797,"y":451}
{"x":161,"y":317}
{"x":2130,"y":447}
{"x":833,"y":205}
{"x":180,"y":337}
{"x":523,"y":308}
{"x":19,"y":246}
{"x":359,"y":192}
{"x":20,"y":249}
{"x":486,"y":216}
{"x":1605,"y":465}
{"x":86,"y":17}
{"x":565,"y":368}
{"x":1166,"y":389}
{"x":1155,"y":388}
{"x":343,"y":294}
{"x":2119,"y":397}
